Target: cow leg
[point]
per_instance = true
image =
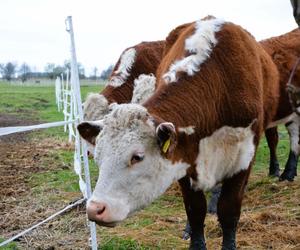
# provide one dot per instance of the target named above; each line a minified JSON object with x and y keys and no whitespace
{"x":229,"y":207}
{"x":290,"y":170}
{"x":195,"y":206}
{"x":272,"y":140}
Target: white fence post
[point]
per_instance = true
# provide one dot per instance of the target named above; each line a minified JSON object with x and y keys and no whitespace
{"x":58,"y":89}
{"x":76,"y":85}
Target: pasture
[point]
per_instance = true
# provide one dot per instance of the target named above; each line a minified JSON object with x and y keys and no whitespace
{"x":37,"y":179}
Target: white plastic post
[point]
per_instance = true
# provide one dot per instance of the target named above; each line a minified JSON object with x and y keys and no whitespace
{"x":58,"y":89}
{"x":76,"y":87}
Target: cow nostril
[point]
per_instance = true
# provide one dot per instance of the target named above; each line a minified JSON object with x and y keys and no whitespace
{"x":100,"y":210}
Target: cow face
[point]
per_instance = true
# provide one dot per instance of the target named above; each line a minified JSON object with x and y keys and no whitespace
{"x":131,"y":152}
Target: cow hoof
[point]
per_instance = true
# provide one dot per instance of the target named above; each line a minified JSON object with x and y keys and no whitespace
{"x":274,"y":174}
{"x":197,"y":245}
{"x":187,"y":231}
{"x":197,"y":242}
{"x":186,"y":235}
{"x":287,"y":175}
{"x":274,"y":170}
{"x":230,"y":247}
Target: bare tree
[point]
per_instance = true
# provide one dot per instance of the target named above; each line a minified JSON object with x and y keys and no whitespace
{"x":1,"y":69}
{"x":95,"y":71}
{"x":24,"y":71}
{"x":53,"y":70}
{"x":67,"y":65}
{"x":8,"y":70}
{"x":58,"y":70}
{"x":49,"y":69}
{"x":81,"y":71}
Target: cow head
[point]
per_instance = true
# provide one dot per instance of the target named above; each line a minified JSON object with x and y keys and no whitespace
{"x":132,"y":151}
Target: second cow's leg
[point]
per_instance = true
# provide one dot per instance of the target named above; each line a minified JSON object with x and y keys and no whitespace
{"x":195,"y":206}
{"x":290,"y":170}
{"x":272,"y":140}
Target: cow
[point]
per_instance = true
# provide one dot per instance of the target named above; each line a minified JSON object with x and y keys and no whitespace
{"x":132,"y":80}
{"x":215,"y":96}
{"x":285,"y":51}
{"x":135,"y":67}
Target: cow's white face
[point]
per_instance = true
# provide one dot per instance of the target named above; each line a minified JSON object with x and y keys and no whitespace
{"x":130,"y":152}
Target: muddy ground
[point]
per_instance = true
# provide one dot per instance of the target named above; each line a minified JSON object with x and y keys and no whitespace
{"x":270,"y":220}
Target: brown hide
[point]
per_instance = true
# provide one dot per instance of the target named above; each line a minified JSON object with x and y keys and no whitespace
{"x":148,"y":57}
{"x":230,"y":89}
{"x":173,"y":36}
{"x":175,"y":33}
{"x":284,"y":50}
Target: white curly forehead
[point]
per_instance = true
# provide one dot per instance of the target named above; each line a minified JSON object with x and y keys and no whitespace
{"x":95,"y":107}
{"x":126,"y":116}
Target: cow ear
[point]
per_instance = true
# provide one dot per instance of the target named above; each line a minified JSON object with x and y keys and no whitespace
{"x":166,"y":137}
{"x":90,"y":130}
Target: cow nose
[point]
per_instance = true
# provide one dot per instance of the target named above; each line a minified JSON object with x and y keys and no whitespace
{"x":96,"y":211}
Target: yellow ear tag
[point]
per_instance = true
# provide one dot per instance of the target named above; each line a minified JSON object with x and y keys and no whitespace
{"x":166,"y":145}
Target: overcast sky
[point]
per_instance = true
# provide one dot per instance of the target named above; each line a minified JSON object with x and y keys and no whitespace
{"x":33,"y":31}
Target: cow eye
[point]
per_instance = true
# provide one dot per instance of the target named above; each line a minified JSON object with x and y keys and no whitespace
{"x":136,"y":158}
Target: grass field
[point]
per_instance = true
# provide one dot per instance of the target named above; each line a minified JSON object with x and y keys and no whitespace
{"x":271,"y":217}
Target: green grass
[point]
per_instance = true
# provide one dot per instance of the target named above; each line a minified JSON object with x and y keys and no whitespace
{"x":116,"y":243}
{"x":10,"y":246}
{"x":63,"y":177}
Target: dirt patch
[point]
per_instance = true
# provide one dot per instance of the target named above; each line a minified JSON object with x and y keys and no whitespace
{"x":18,"y":156}
{"x":21,"y":156}
{"x":12,"y":121}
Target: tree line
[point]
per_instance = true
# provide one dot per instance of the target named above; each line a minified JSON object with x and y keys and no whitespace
{"x":11,"y":70}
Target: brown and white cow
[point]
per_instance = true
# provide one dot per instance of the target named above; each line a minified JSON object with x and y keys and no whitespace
{"x":135,"y":65}
{"x":201,"y":127}
{"x":285,"y":51}
{"x":132,"y":80}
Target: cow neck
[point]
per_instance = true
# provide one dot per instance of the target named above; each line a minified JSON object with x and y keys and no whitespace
{"x":185,"y":104}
